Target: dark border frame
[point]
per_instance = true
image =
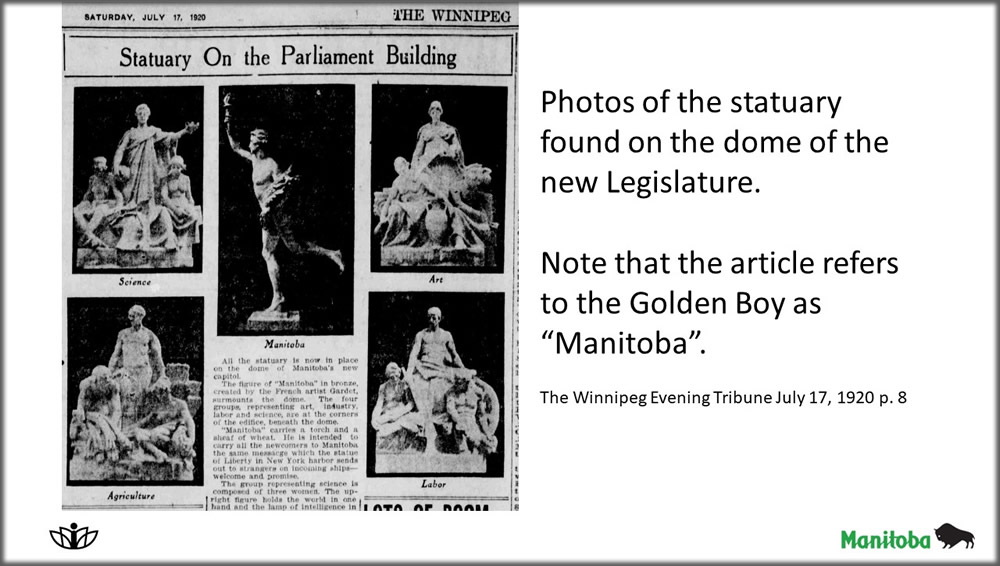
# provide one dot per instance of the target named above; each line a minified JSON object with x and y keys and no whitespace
{"x":3,"y":239}
{"x":81,"y":303}
{"x":198,"y":250}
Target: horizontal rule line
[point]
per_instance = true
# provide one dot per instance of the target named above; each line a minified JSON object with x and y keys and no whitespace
{"x":168,"y":506}
{"x":148,"y":76}
{"x":285,"y":75}
{"x":190,"y":29}
{"x":373,"y":74}
{"x":441,"y":498}
{"x":294,"y":36}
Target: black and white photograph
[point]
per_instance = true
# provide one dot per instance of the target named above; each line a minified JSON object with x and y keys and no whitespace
{"x":286,"y":218}
{"x":438,"y":178}
{"x":435,"y":384}
{"x":138,"y":162}
{"x":135,"y":370}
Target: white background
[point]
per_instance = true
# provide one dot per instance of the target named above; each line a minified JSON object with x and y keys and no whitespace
{"x":653,"y":482}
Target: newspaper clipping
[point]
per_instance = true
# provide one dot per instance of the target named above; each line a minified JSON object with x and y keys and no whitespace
{"x":290,"y":257}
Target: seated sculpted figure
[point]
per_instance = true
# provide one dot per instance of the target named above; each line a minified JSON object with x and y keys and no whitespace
{"x":426,"y":205}
{"x":395,"y":418}
{"x":431,"y":371}
{"x":175,"y":194}
{"x":401,"y":209}
{"x":127,"y":424}
{"x":467,"y":405}
{"x":95,"y":211}
{"x":167,"y":430}
{"x":96,"y":426}
{"x":137,"y":352}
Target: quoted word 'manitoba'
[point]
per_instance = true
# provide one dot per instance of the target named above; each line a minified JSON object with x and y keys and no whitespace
{"x":622,"y":343}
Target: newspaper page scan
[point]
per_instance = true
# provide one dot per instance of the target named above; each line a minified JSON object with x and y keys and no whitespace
{"x":290,"y":257}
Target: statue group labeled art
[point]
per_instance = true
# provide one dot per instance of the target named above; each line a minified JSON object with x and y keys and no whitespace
{"x":435,"y":212}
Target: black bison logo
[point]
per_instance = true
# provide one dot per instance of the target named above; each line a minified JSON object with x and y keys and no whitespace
{"x":951,"y":536}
